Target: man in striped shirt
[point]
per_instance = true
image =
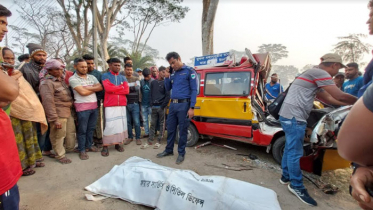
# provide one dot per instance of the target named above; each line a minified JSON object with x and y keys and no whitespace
{"x":84,"y":88}
{"x":295,"y":111}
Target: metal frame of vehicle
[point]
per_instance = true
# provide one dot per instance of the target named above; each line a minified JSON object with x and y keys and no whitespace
{"x":228,"y":115}
{"x":222,"y":112}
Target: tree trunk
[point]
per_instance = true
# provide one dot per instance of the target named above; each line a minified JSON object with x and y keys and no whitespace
{"x":208,"y":17}
{"x":353,"y":53}
{"x":104,"y":53}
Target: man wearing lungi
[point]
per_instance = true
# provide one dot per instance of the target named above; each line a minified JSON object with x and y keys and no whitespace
{"x":115,"y":102}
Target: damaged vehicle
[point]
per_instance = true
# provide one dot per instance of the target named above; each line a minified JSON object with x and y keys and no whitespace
{"x":231,"y":105}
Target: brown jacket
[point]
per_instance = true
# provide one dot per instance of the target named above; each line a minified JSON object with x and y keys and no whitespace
{"x":56,"y":98}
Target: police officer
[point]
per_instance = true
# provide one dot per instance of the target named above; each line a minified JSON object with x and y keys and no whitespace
{"x":183,"y":83}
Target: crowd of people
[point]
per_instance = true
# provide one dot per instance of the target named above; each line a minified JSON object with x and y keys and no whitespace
{"x":46,"y":107}
{"x":64,"y":107}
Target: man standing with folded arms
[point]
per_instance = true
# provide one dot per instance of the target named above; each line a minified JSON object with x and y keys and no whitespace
{"x":183,"y":83}
{"x":84,"y":88}
{"x":116,"y":90}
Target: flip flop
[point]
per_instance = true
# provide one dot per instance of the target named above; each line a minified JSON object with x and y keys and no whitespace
{"x":39,"y":165}
{"x":28,"y":172}
{"x":157,"y":145}
{"x":144,"y":146}
{"x":64,"y":160}
{"x":76,"y":150}
{"x":51,"y":155}
{"x":83,"y":156}
{"x":119,"y":148}
{"x":105,"y":152}
{"x":92,"y":149}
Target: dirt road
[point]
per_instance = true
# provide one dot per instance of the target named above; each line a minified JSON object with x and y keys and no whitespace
{"x":61,"y":187}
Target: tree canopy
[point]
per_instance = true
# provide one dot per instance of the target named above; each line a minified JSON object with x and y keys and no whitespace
{"x":286,"y":74}
{"x":277,"y":51}
{"x":351,"y":48}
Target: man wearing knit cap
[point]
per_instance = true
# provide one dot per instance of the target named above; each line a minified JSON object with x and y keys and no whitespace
{"x":32,"y":69}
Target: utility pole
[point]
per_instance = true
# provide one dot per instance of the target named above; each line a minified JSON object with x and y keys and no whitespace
{"x":94,"y":22}
{"x":6,"y":40}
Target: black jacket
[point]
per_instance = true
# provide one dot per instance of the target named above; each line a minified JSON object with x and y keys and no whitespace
{"x":158,"y":94}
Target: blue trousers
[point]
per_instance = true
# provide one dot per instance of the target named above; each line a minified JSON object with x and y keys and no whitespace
{"x":86,"y":126}
{"x":133,"y":116}
{"x":177,"y":117}
{"x":10,"y":199}
{"x":146,"y":116}
{"x":43,"y":139}
{"x":294,"y":134}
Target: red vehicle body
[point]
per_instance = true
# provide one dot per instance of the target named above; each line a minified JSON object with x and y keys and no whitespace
{"x":231,"y":104}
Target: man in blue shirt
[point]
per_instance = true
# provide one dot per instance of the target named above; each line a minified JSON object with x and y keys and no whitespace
{"x":183,"y":82}
{"x":145,"y":99}
{"x":355,"y":82}
{"x":273,"y":88}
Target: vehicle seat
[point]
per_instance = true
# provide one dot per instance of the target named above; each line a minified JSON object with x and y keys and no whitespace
{"x":273,"y":122}
{"x":212,"y":89}
{"x":234,"y":88}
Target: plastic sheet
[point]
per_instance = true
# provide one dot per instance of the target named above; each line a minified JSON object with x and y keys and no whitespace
{"x":141,"y":181}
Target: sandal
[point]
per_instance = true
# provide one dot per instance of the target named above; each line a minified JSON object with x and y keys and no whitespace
{"x":39,"y":165}
{"x":119,"y":148}
{"x":127,"y":141}
{"x":157,"y":145}
{"x":40,"y":160}
{"x":76,"y":150}
{"x":28,"y":172}
{"x":92,"y":149}
{"x":144,"y":146}
{"x":50,"y":154}
{"x":83,"y":156}
{"x":64,"y":160}
{"x":105,"y":152}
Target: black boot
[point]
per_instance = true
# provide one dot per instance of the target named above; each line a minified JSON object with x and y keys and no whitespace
{"x":179,"y":159}
{"x":164,"y":154}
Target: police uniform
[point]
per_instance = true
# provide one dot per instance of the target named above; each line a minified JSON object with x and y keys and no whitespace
{"x":183,"y":84}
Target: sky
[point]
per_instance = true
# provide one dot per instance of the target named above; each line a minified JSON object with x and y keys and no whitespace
{"x":308,"y":28}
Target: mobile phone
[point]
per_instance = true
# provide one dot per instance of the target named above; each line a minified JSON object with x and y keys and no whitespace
{"x":171,"y":70}
{"x":8,"y":67}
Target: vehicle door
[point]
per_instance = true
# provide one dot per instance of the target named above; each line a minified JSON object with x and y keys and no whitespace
{"x":225,"y":109}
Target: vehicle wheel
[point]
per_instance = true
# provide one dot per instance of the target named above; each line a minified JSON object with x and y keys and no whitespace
{"x":192,"y":138}
{"x":278,"y":149}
